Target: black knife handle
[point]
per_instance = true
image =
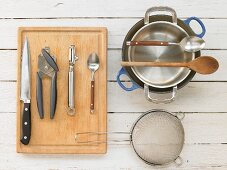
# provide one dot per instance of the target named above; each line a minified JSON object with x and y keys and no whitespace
{"x":39,"y":95}
{"x":53,"y":95}
{"x":26,"y":124}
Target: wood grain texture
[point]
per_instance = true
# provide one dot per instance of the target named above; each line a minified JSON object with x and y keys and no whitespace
{"x":215,"y":37}
{"x":57,"y":135}
{"x":92,"y":96}
{"x":194,"y":97}
{"x":201,"y":156}
{"x":203,"y":96}
{"x":200,"y":128}
{"x":147,"y":43}
{"x":152,"y":64}
{"x":202,"y":150}
{"x":103,"y":8}
{"x":206,"y":137}
{"x":201,"y":65}
{"x":8,"y":60}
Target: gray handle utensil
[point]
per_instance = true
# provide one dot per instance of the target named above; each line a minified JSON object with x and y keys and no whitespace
{"x":53,"y":97}
{"x":47,"y":66}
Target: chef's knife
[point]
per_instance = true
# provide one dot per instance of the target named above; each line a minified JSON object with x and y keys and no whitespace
{"x":25,"y":94}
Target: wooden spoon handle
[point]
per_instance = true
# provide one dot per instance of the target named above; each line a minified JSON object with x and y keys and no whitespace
{"x":202,"y":65}
{"x":153,"y":64}
{"x":147,"y":43}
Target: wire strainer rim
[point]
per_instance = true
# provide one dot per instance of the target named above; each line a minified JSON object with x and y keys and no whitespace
{"x":150,"y":112}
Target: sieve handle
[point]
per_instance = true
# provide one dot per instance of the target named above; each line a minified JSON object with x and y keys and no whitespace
{"x":157,"y":9}
{"x":77,"y":137}
{"x":157,"y":101}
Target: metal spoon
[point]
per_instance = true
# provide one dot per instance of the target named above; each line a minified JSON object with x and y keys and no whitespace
{"x":202,"y":65}
{"x":93,"y":65}
{"x":189,"y":43}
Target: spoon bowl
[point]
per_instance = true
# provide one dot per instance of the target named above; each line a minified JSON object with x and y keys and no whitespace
{"x":204,"y":65}
{"x":93,"y":63}
{"x":192,"y":44}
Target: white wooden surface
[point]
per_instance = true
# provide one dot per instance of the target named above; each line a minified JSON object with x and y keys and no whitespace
{"x":204,"y":100}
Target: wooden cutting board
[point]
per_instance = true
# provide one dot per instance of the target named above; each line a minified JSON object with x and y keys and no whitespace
{"x":58,"y":135}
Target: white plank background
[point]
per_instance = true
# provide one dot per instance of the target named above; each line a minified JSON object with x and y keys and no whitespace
{"x":203,"y":100}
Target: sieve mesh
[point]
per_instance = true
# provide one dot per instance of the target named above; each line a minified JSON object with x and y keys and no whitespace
{"x":158,"y":137}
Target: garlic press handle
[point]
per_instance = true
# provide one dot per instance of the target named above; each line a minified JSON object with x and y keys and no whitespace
{"x":53,"y":97}
{"x":39,"y":94}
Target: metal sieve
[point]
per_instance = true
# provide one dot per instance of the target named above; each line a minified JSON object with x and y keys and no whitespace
{"x":157,"y":137}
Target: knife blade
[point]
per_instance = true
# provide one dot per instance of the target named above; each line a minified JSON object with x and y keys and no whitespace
{"x":25,"y":94}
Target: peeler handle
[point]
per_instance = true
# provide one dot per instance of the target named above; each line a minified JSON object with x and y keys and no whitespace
{"x":53,"y":97}
{"x":71,"y":90}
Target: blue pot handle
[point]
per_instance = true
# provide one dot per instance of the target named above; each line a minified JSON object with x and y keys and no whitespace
{"x":133,"y":87}
{"x":187,"y":21}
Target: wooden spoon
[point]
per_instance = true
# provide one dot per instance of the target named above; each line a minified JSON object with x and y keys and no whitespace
{"x":202,"y":65}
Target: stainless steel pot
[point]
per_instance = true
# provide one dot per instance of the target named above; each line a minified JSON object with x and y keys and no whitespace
{"x":165,"y":28}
